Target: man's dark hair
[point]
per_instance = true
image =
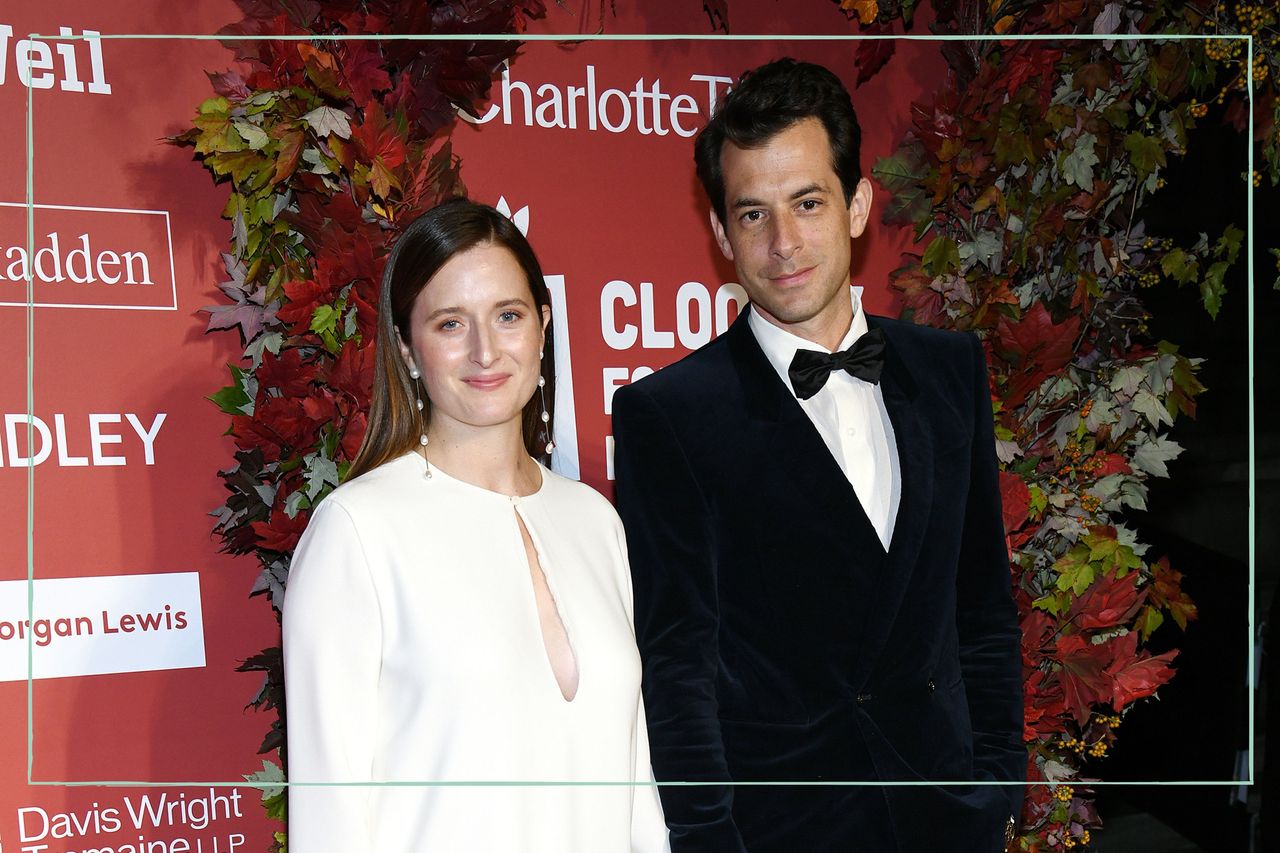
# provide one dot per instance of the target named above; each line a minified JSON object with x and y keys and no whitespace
{"x":767,"y":101}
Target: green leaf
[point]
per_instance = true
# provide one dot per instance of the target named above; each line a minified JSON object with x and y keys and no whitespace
{"x":1077,"y":579}
{"x":1212,"y":288}
{"x":1145,"y":153}
{"x":941,"y":257}
{"x":1229,"y":243}
{"x":1151,"y":408}
{"x":1152,"y":455}
{"x":902,"y":174}
{"x":1077,"y":166}
{"x":231,"y":400}
{"x":327,"y":120}
{"x":254,"y":136}
{"x":1148,"y":620}
{"x":271,"y":777}
{"x":1180,"y":266}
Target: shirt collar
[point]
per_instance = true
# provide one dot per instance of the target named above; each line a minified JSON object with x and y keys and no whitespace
{"x":780,"y":346}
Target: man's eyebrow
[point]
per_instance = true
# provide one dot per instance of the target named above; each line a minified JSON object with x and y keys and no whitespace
{"x":808,"y":189}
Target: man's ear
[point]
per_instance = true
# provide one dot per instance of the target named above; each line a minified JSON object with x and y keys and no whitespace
{"x":860,"y":208}
{"x":717,"y":229}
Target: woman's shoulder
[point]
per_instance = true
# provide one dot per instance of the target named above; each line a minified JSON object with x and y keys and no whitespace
{"x":575,"y":496}
{"x":389,"y":483}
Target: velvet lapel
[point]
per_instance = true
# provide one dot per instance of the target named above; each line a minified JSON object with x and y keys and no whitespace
{"x":914,"y":442}
{"x":792,"y":445}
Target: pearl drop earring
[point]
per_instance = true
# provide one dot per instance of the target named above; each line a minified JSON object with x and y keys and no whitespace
{"x":546,"y":416}
{"x":416,"y":376}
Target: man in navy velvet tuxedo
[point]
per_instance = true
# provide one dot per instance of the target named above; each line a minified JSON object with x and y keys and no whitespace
{"x":813,"y":519}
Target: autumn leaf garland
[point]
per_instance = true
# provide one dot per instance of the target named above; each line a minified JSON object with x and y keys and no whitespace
{"x":326,"y":146}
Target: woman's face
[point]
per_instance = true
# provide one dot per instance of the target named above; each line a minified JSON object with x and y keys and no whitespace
{"x":477,"y":336}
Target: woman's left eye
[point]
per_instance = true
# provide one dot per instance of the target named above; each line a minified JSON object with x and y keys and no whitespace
{"x":509,"y":316}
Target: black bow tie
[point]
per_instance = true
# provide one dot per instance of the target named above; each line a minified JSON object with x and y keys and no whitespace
{"x":865,"y":360}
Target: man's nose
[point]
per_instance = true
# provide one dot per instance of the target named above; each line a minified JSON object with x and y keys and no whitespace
{"x":785,"y":237}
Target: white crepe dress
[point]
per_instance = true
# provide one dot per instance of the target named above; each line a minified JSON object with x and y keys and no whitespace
{"x":414,"y":658}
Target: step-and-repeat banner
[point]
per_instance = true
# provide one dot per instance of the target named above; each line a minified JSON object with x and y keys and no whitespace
{"x":140,"y":621}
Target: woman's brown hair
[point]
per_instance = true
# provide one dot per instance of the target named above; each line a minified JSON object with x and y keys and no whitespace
{"x":425,"y":246}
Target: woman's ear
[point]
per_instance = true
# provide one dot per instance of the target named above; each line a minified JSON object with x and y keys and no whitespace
{"x":405,"y":352}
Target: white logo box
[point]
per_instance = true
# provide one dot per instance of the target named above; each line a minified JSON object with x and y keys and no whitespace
{"x":101,"y":625}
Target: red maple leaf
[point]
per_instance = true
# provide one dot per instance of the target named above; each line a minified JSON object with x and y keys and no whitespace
{"x":378,"y":137}
{"x":1029,"y":62}
{"x":1112,"y":463}
{"x":285,"y":372}
{"x":303,"y":299}
{"x":361,"y":69}
{"x":1082,"y":677}
{"x":353,"y":435}
{"x":872,"y":55}
{"x":320,"y":407}
{"x":280,"y":532}
{"x":1166,"y":593}
{"x":1014,"y":500}
{"x":1134,"y":674}
{"x":1108,"y":602}
{"x":1036,"y":337}
{"x":352,"y":372}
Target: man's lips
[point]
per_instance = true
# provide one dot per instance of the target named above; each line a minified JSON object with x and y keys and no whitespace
{"x":487,"y":383}
{"x":792,"y":277}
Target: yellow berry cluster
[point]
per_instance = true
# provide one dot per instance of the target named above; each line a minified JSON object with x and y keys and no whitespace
{"x":1069,"y":842}
{"x":1251,"y":17}
{"x":1260,"y":69}
{"x":1092,"y":465}
{"x":1074,"y":744}
{"x":1257,"y":178}
{"x":1110,"y":721}
{"x":1090,"y":504}
{"x":1223,"y":50}
{"x":1086,"y":408}
{"x":1098,"y":750}
{"x":1063,"y":793}
{"x":1150,"y":278}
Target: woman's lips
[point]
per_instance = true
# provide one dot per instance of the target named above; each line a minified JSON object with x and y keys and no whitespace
{"x":487,"y":383}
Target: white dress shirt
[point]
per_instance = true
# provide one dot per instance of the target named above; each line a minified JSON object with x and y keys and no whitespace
{"x":850,"y":415}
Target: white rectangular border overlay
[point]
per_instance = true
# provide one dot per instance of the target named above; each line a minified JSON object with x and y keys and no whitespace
{"x":168,"y":233}
{"x":101,"y":625}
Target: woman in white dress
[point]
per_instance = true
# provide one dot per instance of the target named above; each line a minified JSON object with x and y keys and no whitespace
{"x":456,"y":613}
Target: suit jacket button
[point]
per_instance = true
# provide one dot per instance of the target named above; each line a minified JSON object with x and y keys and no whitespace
{"x":863,"y":698}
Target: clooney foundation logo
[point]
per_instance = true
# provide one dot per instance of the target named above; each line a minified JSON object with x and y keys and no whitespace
{"x":86,"y":257}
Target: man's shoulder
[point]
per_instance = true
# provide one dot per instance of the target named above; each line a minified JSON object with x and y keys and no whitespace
{"x":690,"y":379}
{"x":904,"y":332}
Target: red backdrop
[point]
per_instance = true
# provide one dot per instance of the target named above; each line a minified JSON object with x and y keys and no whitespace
{"x":127,"y":472}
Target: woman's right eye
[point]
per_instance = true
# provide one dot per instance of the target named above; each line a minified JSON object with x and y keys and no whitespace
{"x":448,"y":325}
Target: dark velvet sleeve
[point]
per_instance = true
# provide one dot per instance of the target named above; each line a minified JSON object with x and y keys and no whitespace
{"x":987,"y":619}
{"x":673,"y":570}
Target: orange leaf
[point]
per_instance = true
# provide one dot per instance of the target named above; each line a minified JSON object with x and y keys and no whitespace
{"x":866,"y":10}
{"x":1003,"y":24}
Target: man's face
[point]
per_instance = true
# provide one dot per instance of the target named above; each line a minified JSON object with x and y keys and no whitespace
{"x":788,"y":230}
